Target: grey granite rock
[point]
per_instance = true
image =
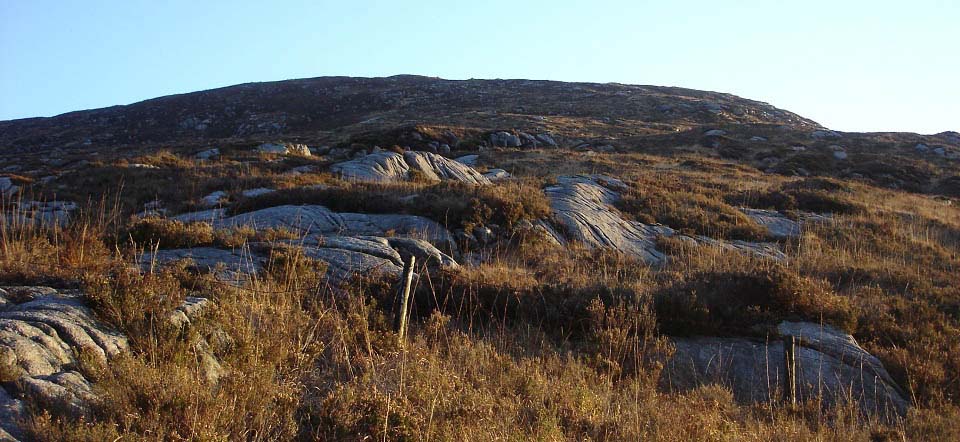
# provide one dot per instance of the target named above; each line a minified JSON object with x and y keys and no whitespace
{"x":778,"y":225}
{"x":582,"y":207}
{"x":392,"y":166}
{"x":43,"y":332}
{"x":583,"y":210}
{"x":313,"y":219}
{"x":505,"y":139}
{"x":830,"y":365}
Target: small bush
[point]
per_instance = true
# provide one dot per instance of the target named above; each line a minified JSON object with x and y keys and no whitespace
{"x":691,"y":212}
{"x":169,"y":233}
{"x":819,"y":195}
{"x":738,"y":301}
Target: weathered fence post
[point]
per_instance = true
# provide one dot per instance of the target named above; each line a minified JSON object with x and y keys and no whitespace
{"x":790,"y":372}
{"x":400,"y":318}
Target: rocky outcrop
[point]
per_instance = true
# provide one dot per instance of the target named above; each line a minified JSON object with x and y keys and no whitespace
{"x":214,"y":199}
{"x":469,"y":160}
{"x":345,"y":256}
{"x":583,"y":209}
{"x":208,"y":154}
{"x":546,"y":139}
{"x":379,"y":166}
{"x":285,"y":149}
{"x":259,"y":191}
{"x":7,"y":187}
{"x":497,"y":174}
{"x":830,"y":366}
{"x":227,"y":265}
{"x":392,"y":166}
{"x":45,"y":213}
{"x":505,"y":139}
{"x":43,"y":334}
{"x":780,"y":226}
{"x":313,"y":219}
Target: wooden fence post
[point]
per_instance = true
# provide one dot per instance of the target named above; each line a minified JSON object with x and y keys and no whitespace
{"x":400,"y":318}
{"x":790,"y":372}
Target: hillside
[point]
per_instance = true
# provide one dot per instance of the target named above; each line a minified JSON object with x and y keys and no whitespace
{"x":360,"y":113}
{"x":583,"y":262}
{"x":323,"y":109}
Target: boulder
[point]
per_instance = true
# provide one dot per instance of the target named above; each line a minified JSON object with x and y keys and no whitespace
{"x":369,"y":245}
{"x":830,"y":366}
{"x":758,"y":139}
{"x":320,"y":150}
{"x":504,"y":139}
{"x":715,"y":133}
{"x":190,"y":310}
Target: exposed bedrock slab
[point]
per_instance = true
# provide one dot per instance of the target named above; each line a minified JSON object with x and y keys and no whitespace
{"x":392,"y":166}
{"x":779,"y":225}
{"x":228,"y":264}
{"x":313,"y":219}
{"x":345,"y":256}
{"x":43,"y":335}
{"x":43,"y":332}
{"x":582,"y":207}
{"x":830,"y":365}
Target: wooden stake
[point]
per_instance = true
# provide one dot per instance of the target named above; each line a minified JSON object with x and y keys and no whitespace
{"x":790,"y":372}
{"x":400,"y":320}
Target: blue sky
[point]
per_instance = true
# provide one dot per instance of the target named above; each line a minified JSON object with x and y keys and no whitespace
{"x":851,"y":65}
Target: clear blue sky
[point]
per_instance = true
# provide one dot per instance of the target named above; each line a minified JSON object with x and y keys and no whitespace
{"x":851,"y":65}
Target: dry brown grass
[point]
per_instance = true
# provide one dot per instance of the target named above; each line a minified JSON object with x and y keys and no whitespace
{"x":538,"y":343}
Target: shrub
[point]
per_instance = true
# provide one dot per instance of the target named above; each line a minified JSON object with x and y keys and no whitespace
{"x":738,"y":301}
{"x":820,"y":195}
{"x":170,"y":233}
{"x":691,"y":212}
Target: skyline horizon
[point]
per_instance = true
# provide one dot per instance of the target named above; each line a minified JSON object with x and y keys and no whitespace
{"x":856,"y":66}
{"x":467,"y":79}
